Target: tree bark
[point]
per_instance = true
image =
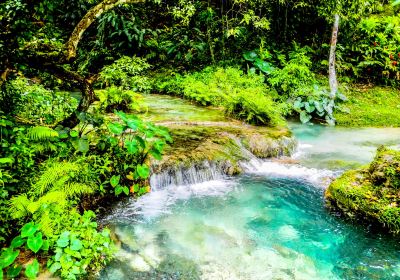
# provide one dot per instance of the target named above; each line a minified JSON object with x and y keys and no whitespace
{"x":73,"y":41}
{"x":333,"y":83}
{"x":85,"y":84}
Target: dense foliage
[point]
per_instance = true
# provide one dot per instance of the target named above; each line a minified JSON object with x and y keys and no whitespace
{"x":72,"y":73}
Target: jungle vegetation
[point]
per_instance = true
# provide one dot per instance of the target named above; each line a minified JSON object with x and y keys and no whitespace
{"x":64,"y":155}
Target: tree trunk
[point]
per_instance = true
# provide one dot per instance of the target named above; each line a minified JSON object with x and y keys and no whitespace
{"x":72,"y":44}
{"x":84,"y":84}
{"x":333,"y":83}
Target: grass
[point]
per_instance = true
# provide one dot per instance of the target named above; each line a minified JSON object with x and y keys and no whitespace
{"x":370,"y":106}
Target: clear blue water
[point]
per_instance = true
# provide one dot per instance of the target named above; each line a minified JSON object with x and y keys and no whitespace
{"x":257,"y":227}
{"x":270,"y":224}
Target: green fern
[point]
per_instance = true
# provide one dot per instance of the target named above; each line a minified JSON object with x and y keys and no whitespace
{"x":41,"y":133}
{"x":49,"y":197}
{"x":55,"y":176}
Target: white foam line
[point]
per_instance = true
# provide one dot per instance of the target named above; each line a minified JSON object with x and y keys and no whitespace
{"x":159,"y":202}
{"x":319,"y":177}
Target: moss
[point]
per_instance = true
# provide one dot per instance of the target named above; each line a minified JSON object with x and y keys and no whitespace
{"x":371,"y":193}
{"x":370,"y":106}
{"x":226,"y":144}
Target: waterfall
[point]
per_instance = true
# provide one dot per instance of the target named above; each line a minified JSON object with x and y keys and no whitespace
{"x":182,"y":174}
{"x":178,"y":176}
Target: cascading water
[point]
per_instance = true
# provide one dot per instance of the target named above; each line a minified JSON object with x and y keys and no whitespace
{"x":180,"y":176}
{"x":270,"y":223}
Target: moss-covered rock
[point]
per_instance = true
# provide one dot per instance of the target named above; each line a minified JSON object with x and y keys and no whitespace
{"x":207,"y":143}
{"x":371,"y":193}
{"x":220,"y":146}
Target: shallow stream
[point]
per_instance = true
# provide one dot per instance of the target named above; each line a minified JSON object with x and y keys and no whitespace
{"x":270,"y":223}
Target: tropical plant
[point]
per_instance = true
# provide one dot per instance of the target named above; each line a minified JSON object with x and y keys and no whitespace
{"x":296,"y":77}
{"x":116,"y":98}
{"x":245,"y":97}
{"x":33,"y":104}
{"x":319,"y":105}
{"x":31,"y":239}
{"x":53,"y":193}
{"x":80,"y":247}
{"x":127,"y":73}
{"x":132,"y":142}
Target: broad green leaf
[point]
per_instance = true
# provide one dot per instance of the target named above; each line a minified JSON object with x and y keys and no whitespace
{"x":118,"y":190}
{"x":304,"y":117}
{"x":298,"y":104}
{"x":143,"y":171}
{"x":264,"y":66}
{"x":32,"y":269}
{"x":133,"y":124}
{"x":113,"y":141}
{"x":132,"y":147}
{"x":250,"y":56}
{"x":76,"y":244}
{"x":83,"y":145}
{"x":115,"y":180}
{"x":318,"y":106}
{"x":7,"y":257}
{"x":63,"y":240}
{"x":116,"y":128}
{"x":141,"y":141}
{"x":309,"y":108}
{"x":125,"y":190}
{"x":74,"y":133}
{"x":17,"y":242}
{"x":35,"y":242}
{"x":29,"y":229}
{"x":396,"y":2}
{"x":54,"y":267}
{"x":156,"y":154}
{"x":13,"y":271}
{"x":46,"y":245}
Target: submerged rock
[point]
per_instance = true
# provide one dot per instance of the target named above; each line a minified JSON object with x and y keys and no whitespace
{"x":371,"y":193}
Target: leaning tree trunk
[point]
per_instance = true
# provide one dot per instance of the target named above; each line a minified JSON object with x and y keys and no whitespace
{"x":333,"y":83}
{"x":95,"y":12}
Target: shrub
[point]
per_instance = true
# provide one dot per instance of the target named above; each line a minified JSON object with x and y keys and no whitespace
{"x":376,"y":49}
{"x":33,"y":104}
{"x":245,"y":97}
{"x":296,"y":77}
{"x":80,"y":247}
{"x":115,"y":98}
{"x":127,"y":72}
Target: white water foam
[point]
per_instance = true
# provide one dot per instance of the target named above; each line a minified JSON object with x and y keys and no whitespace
{"x":318,"y":177}
{"x":159,"y":202}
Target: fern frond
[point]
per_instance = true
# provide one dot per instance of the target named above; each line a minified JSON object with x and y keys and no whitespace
{"x":41,"y":133}
{"x":51,"y":176}
{"x":47,"y":224}
{"x":76,"y":189}
{"x":58,"y":198}
{"x":19,"y":206}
